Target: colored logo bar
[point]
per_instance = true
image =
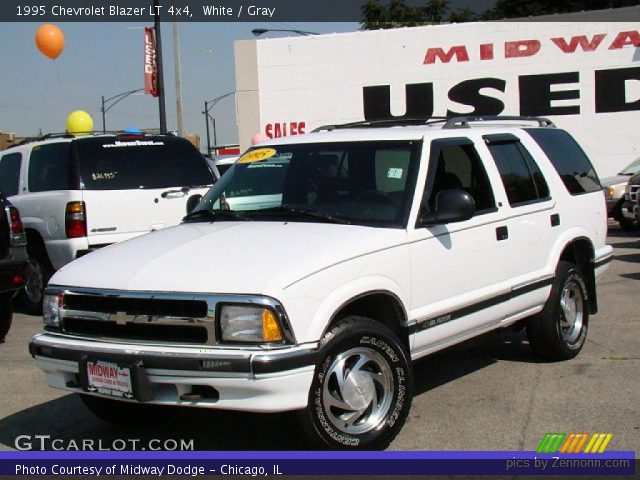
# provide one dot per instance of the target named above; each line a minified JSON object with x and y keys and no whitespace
{"x":574,"y":443}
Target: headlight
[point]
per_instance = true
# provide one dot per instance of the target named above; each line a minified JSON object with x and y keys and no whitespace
{"x":51,"y":305}
{"x":249,"y":324}
{"x":615,"y":191}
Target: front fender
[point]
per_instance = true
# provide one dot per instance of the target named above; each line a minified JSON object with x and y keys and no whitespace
{"x":347,"y":292}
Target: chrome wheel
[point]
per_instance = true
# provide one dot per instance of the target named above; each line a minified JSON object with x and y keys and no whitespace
{"x":571,"y":311}
{"x":358,"y":390}
{"x":34,"y":284}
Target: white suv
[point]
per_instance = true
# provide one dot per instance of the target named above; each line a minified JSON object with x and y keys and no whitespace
{"x":78,"y":194}
{"x":369,"y":246}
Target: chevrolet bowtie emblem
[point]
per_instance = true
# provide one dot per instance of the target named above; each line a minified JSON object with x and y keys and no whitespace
{"x":120,"y":318}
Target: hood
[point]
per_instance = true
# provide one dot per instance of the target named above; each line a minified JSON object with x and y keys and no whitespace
{"x":614,"y":180}
{"x":224,"y":257}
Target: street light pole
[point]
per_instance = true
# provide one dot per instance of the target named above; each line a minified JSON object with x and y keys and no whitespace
{"x":104,"y":128}
{"x":206,"y":121}
{"x":208,"y":105}
{"x":161,"y":106}
{"x":178,"y":75}
{"x":116,"y":99}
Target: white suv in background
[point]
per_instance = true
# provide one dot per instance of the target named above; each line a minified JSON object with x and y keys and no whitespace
{"x":365,"y":247}
{"x":78,"y":194}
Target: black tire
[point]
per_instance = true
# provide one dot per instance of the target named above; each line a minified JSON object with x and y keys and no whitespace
{"x":39,"y":272}
{"x":629,"y":225}
{"x":378,"y":392}
{"x":6,"y":315}
{"x":127,"y":413}
{"x":626,"y":224}
{"x":558,"y":333}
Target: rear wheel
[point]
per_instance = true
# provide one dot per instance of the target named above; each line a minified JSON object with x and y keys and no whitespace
{"x":559,"y":331}
{"x":626,"y":224}
{"x":127,"y":413}
{"x":362,"y":388}
{"x":38,"y":273}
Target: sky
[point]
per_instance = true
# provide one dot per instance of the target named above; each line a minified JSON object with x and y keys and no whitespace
{"x":37,"y":93}
{"x":105,"y":59}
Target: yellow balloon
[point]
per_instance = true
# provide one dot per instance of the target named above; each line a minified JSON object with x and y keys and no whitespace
{"x":79,"y":122}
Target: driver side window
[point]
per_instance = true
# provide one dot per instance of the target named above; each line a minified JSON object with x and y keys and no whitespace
{"x":458,"y":166}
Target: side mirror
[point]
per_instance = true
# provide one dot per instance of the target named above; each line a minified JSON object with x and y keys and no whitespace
{"x":193,"y":202}
{"x":451,"y":206}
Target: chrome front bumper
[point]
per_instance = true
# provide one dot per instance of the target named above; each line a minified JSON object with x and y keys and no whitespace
{"x":249,"y":380}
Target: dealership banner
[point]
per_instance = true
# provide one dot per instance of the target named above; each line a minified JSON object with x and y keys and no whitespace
{"x":315,"y":463}
{"x":150,"y":65}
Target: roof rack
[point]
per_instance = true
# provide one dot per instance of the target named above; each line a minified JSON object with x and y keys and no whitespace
{"x":384,"y":122}
{"x":463,"y":121}
{"x":448,"y":122}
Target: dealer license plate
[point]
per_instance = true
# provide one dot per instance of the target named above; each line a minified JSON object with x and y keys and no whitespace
{"x":109,"y":379}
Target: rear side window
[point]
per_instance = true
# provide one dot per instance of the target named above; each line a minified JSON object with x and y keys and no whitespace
{"x":568,"y":158}
{"x":49,"y":167}
{"x":107,"y":163}
{"x":521,"y":176}
{"x":10,"y":173}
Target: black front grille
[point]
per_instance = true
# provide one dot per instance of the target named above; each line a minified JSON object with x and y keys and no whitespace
{"x":153,"y":332}
{"x":137,"y":306}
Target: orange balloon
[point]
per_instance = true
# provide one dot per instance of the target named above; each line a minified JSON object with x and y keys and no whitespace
{"x":50,"y":40}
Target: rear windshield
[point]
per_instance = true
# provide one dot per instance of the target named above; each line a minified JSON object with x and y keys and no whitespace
{"x":151,"y":162}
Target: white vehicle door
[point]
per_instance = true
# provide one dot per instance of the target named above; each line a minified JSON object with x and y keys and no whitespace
{"x":533,"y":218}
{"x":459,"y":283}
{"x":132,"y":186}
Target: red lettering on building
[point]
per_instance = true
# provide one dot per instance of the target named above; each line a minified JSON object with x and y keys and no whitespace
{"x":521,"y":48}
{"x":460,"y":52}
{"x":283,"y":129}
{"x":623,"y":39}
{"x":486,"y":51}
{"x":579,"y":40}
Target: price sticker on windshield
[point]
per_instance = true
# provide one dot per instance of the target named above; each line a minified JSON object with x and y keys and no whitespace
{"x":257,"y":155}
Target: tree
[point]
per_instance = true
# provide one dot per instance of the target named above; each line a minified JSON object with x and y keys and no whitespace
{"x":516,"y":8}
{"x":397,"y":14}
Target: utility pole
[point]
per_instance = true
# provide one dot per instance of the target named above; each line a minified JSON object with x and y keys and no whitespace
{"x":178,"y":75}
{"x":104,"y":127}
{"x":161,"y":106}
{"x":206,"y":121}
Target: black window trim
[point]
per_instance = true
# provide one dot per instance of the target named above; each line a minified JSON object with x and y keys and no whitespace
{"x":506,"y":138}
{"x":435,"y":145}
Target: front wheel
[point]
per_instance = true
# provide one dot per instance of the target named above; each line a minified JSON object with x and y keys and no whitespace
{"x":559,"y":331}
{"x":628,"y":225}
{"x":362,"y":388}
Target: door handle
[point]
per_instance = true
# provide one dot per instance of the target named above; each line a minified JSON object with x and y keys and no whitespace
{"x":502,"y":233}
{"x":555,"y":220}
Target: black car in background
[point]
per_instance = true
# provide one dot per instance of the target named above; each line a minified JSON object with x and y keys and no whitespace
{"x":13,"y":261}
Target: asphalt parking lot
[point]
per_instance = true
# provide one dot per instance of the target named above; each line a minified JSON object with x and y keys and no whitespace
{"x":487,"y":395}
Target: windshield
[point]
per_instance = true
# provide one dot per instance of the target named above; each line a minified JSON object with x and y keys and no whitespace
{"x":632,"y":168}
{"x":365,"y":183}
{"x":107,"y":163}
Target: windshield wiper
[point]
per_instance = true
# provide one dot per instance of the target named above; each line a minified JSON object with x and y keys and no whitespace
{"x":213,"y":215}
{"x":297,"y":212}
